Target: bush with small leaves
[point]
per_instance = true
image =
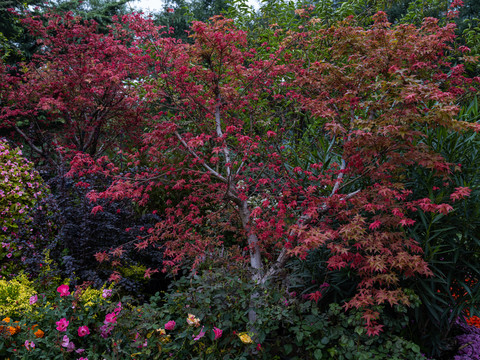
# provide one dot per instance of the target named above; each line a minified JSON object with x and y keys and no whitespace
{"x":21,"y":189}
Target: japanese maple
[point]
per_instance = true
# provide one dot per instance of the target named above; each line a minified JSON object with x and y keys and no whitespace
{"x":225,"y":155}
{"x":77,"y":93}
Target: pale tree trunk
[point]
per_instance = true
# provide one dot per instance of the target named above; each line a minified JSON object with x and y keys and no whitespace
{"x":255,"y":260}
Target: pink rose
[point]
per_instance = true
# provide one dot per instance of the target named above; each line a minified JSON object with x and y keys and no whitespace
{"x":218,"y":333}
{"x":62,"y":324}
{"x":170,"y":325}
{"x":110,"y":318}
{"x":83,"y":331}
{"x":63,"y":290}
{"x":200,"y":335}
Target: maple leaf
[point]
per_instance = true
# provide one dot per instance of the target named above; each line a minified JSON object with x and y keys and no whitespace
{"x":406,"y":222}
{"x":375,"y":225}
{"x":115,"y":277}
{"x":444,"y":209}
{"x":315,"y":296}
{"x":97,"y":209}
{"x":460,"y":193}
{"x":149,"y":272}
{"x":101,"y":256}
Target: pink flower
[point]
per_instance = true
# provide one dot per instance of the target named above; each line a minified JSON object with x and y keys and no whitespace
{"x":118,"y":308}
{"x":200,"y":335}
{"x":170,"y":325}
{"x":66,"y":343}
{"x":83,"y":331}
{"x":217,"y":332}
{"x":62,"y":324}
{"x":29,"y":344}
{"x":106,"y":293}
{"x":110,"y":318}
{"x":170,"y":10}
{"x":63,"y":290}
{"x":33,"y":299}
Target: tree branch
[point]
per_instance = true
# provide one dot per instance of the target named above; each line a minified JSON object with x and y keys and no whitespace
{"x":190,"y":150}
{"x":29,"y":141}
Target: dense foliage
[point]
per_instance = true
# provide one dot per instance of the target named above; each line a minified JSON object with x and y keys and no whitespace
{"x":307,"y":176}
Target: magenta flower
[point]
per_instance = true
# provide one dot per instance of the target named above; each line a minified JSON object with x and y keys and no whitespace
{"x":218,"y":333}
{"x":62,"y":324}
{"x":170,"y":325}
{"x":110,"y":318}
{"x":83,"y":331}
{"x":106,"y":293}
{"x":200,"y":335}
{"x":63,"y":290}
{"x":33,"y":299}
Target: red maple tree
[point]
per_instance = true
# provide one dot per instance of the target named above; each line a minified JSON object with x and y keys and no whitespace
{"x":225,"y":154}
{"x":78,"y":94}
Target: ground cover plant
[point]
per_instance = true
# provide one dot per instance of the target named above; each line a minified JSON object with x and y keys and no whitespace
{"x":312,"y":196}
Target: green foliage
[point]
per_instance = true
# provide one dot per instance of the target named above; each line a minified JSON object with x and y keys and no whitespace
{"x":83,"y":306}
{"x":100,"y":11}
{"x":21,"y":188}
{"x":286,"y":324}
{"x":15,"y":295}
{"x":471,"y":37}
{"x":177,"y":15}
{"x":15,"y":42}
{"x":450,"y":242}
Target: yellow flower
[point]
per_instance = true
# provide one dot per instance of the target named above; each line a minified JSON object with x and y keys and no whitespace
{"x":192,"y":320}
{"x":161,"y":332}
{"x":166,"y":339}
{"x":245,"y":338}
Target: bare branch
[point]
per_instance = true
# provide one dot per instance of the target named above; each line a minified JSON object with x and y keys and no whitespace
{"x":190,"y":150}
{"x":29,"y":141}
{"x":339,"y":178}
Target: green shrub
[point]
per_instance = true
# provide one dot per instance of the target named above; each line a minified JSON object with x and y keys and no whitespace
{"x":15,"y":295}
{"x":286,"y":324}
{"x":21,"y":188}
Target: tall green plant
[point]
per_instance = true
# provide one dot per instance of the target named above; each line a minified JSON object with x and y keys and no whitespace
{"x":451,"y":243}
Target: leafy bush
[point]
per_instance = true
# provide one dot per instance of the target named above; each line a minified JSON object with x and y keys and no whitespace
{"x":69,"y":322}
{"x":21,"y":189}
{"x":92,"y":245}
{"x":468,"y":341}
{"x":450,"y":242}
{"x":203,"y":317}
{"x":15,"y":295}
{"x":286,"y":324}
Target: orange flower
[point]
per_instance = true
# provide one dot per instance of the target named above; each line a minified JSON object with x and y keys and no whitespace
{"x":13,"y":329}
{"x":39,"y":333}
